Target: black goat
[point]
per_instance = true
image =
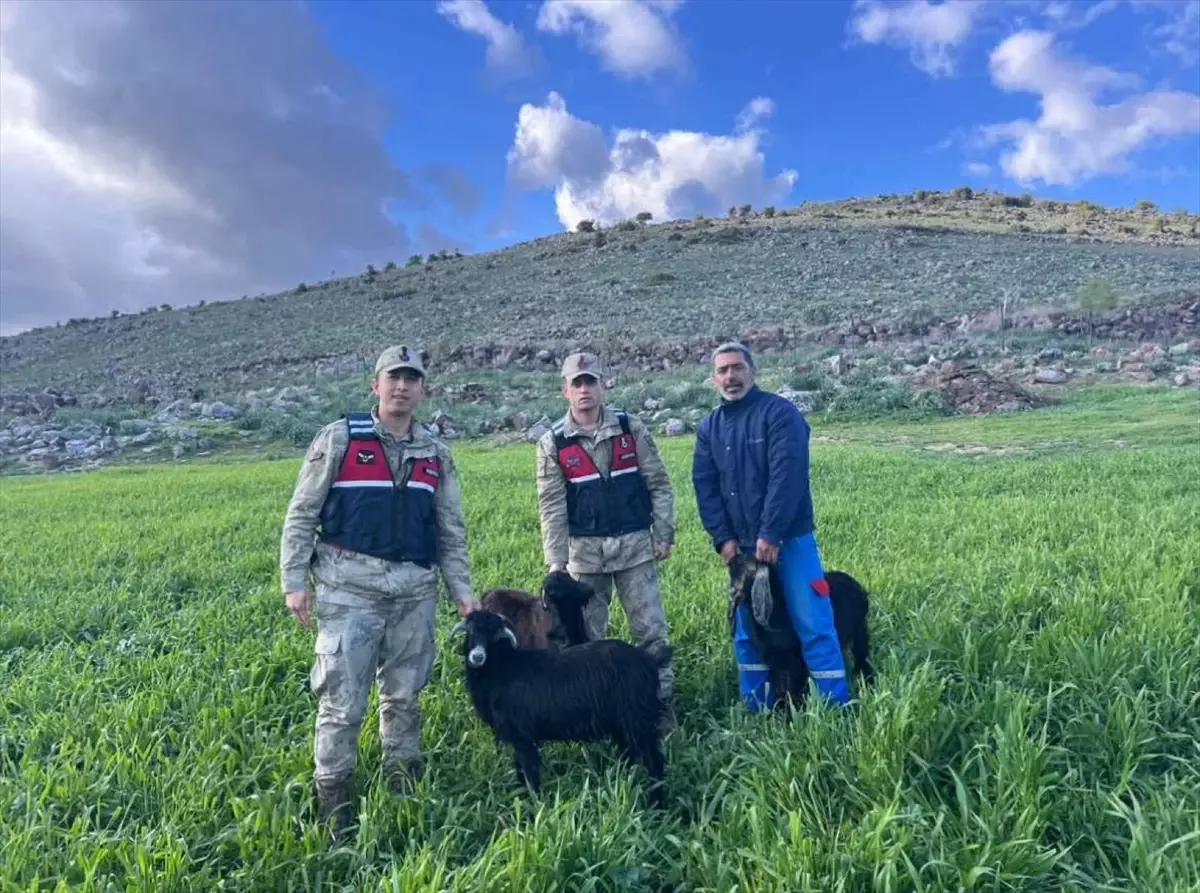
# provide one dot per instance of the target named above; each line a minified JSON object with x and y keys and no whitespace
{"x":606,"y":689}
{"x":774,"y":636}
{"x":541,"y":623}
{"x":568,"y":597}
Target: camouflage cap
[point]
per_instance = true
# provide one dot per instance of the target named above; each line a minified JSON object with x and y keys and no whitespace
{"x":582,"y":363}
{"x":399,"y":358}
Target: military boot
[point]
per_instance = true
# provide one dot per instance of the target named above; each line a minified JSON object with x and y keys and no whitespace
{"x":336,"y":808}
{"x":402,"y":776}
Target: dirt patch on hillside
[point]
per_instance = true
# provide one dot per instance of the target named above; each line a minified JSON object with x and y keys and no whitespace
{"x":972,"y":390}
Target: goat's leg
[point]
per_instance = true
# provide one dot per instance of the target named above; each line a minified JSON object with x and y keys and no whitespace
{"x":861,"y":646}
{"x":641,"y":744}
{"x":528,"y":761}
{"x":653,"y":758}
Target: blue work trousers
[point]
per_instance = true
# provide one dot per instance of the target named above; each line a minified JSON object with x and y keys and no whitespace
{"x":807,"y":596}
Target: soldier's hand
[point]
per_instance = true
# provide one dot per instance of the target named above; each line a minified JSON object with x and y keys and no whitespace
{"x":299,"y":603}
{"x":729,"y":550}
{"x":466,"y":607}
{"x":768,"y":552}
{"x":662,"y":551}
{"x":555,"y":568}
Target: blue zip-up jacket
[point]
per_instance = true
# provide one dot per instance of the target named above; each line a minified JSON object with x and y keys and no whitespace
{"x":750,"y":471}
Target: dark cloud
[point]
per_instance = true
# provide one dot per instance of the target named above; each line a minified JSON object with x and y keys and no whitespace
{"x":173,"y":151}
{"x":432,"y":239}
{"x":453,"y":185}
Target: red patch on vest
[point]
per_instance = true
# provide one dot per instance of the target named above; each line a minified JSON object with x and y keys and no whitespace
{"x":364,"y":461}
{"x":576,"y":463}
{"x":821,"y":587}
{"x":624,"y":453}
{"x":426,"y":472}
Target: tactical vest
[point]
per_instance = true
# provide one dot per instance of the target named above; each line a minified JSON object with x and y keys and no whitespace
{"x":368,"y":511}
{"x":599,"y":506}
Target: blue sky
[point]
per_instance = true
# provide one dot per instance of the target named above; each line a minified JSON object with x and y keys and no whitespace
{"x":167,"y":151}
{"x":850,"y":117}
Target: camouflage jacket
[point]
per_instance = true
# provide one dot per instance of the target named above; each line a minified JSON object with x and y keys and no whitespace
{"x":301,"y":552}
{"x":596,"y":555}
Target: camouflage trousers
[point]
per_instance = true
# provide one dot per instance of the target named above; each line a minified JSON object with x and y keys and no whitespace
{"x":638,"y":591}
{"x":362,"y":640}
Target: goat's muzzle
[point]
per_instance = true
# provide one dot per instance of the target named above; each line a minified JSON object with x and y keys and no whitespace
{"x":477,"y":656}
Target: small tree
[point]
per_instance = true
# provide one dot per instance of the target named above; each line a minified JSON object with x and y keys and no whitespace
{"x":769,"y":211}
{"x":585,"y":226}
{"x":391,"y":265}
{"x":1096,"y":296}
{"x":644,"y":217}
{"x":414,"y":260}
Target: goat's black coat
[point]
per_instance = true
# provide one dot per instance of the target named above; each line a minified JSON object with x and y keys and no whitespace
{"x":568,"y":596}
{"x":778,"y":644}
{"x":605,"y":689}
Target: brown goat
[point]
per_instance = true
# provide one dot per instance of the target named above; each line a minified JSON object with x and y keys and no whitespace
{"x":529,"y":618}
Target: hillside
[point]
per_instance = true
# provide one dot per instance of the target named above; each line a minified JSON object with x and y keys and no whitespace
{"x":856,"y":306}
{"x":887,"y":258}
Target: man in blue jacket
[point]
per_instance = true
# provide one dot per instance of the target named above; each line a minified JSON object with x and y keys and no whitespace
{"x":750,"y":473}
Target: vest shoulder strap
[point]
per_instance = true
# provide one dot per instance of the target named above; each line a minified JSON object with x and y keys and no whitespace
{"x":623,"y":418}
{"x":560,"y":440}
{"x":361,"y":425}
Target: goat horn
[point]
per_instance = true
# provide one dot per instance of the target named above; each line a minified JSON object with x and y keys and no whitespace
{"x":460,"y":627}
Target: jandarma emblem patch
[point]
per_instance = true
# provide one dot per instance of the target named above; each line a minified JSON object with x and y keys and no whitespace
{"x":365,"y":457}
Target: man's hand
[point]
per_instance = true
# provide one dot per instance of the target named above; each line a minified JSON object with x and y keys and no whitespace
{"x":299,"y":602}
{"x":767,"y":552}
{"x":662,"y":551}
{"x":729,"y":550}
{"x":555,"y":568}
{"x":467,"y":606}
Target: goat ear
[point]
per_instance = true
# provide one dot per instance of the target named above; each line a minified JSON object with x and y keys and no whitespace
{"x":459,"y":628}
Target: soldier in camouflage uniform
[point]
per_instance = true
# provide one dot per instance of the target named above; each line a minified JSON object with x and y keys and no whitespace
{"x":607,"y":509}
{"x":375,"y":514}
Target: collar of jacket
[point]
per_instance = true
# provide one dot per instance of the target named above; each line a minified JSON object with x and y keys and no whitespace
{"x":608,"y":426}
{"x":752,"y":396}
{"x":418,"y":434}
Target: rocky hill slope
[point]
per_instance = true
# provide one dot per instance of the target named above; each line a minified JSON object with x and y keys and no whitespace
{"x":861,"y":304}
{"x":901,"y":260}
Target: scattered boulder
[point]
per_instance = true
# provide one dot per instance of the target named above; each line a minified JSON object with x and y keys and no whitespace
{"x":675,"y":428}
{"x":1050,"y":376}
{"x":222,"y":411}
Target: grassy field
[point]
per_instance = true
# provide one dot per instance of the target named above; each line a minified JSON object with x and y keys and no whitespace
{"x":1036,"y":725}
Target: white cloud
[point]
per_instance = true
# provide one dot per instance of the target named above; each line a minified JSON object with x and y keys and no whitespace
{"x":633,"y":38}
{"x":978,"y":169}
{"x":756,"y":110}
{"x":932,"y":32}
{"x":1072,"y":15}
{"x":507,"y":53}
{"x":1180,"y":35}
{"x":672,"y":175}
{"x":552,"y":145}
{"x":232,"y":170}
{"x":1076,"y":137}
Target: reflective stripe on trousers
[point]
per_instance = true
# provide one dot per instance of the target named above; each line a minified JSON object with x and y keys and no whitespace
{"x":752,"y":674}
{"x":812,"y":616}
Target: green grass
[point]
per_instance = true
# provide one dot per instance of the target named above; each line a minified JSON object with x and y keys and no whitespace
{"x":1036,"y":725}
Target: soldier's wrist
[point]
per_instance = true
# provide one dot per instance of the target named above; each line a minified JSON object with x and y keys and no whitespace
{"x":294,"y":583}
